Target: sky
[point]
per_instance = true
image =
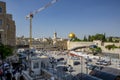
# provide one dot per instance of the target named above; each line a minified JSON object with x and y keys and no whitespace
{"x":82,"y":17}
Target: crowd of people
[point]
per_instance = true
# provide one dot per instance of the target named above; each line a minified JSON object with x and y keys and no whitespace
{"x":11,"y":71}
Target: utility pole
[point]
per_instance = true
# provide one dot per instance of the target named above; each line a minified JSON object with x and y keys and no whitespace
{"x":30,"y":43}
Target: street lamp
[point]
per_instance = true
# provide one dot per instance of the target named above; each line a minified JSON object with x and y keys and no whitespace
{"x":81,"y":66}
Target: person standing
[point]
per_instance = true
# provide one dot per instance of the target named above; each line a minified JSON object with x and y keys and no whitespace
{"x":13,"y":78}
{"x":20,"y":70}
{"x":8,"y":76}
{"x":22,"y":77}
{"x":1,"y":74}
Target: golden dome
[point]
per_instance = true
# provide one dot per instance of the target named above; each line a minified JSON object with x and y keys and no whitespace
{"x":71,"y":35}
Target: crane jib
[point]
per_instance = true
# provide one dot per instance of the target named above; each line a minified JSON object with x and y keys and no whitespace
{"x":42,"y":8}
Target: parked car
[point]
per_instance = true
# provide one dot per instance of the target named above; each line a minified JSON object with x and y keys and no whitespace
{"x":75,"y":58}
{"x":106,"y":63}
{"x":89,"y":66}
{"x":103,"y":62}
{"x":76,"y":63}
{"x":63,"y":68}
{"x":62,"y":62}
{"x":92,"y":67}
{"x":88,"y":60}
{"x":100,"y":62}
{"x":60,"y":59}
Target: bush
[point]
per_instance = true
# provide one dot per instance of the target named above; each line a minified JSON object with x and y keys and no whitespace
{"x":5,"y":51}
{"x":109,"y":47}
{"x":96,"y":50}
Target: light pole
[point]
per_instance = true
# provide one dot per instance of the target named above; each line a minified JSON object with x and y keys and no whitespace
{"x":29,"y":61}
{"x":70,"y":69}
{"x":86,"y":67}
{"x":81,"y":66}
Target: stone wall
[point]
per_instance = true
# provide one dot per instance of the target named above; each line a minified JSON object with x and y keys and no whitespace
{"x":71,"y":45}
{"x":102,"y":45}
{"x":110,"y":43}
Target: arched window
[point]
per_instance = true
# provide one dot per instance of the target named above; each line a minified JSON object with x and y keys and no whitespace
{"x":0,"y":9}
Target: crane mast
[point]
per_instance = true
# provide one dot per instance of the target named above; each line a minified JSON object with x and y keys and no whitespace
{"x":31,"y":15}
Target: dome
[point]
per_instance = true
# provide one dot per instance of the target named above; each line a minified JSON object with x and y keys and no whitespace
{"x":71,"y":35}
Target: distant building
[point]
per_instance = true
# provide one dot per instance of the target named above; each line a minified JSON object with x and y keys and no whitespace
{"x":22,"y":42}
{"x":59,"y":43}
{"x":7,"y":27}
{"x":54,"y":43}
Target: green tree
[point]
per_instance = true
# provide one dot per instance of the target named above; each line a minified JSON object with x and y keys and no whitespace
{"x":85,"y":38}
{"x":5,"y":50}
{"x":100,"y":37}
{"x":110,"y":39}
{"x":75,"y":39}
{"x":97,"y":37}
{"x":96,"y":50}
{"x":91,"y":38}
{"x":109,"y":47}
{"x":104,"y":37}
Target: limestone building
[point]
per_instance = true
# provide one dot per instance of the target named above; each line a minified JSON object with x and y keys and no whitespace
{"x":54,"y":43}
{"x":7,"y":27}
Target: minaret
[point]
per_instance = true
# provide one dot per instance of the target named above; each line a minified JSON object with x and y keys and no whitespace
{"x":55,"y":35}
{"x":54,"y":38}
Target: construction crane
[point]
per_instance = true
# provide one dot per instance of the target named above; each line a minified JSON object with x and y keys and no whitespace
{"x":31,"y":15}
